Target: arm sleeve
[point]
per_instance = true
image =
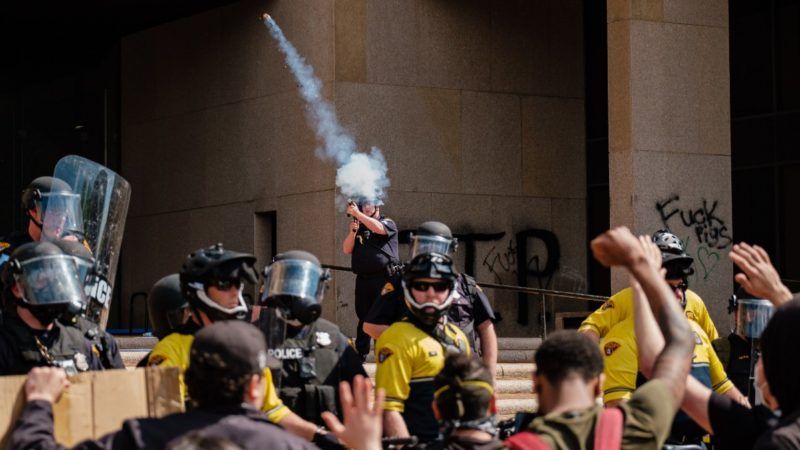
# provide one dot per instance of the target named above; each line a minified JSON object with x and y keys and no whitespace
{"x":482,"y":308}
{"x":393,"y":374}
{"x":649,"y":414}
{"x":34,"y":428}
{"x":273,"y":406}
{"x":614,"y":310}
{"x":350,"y":362}
{"x":705,"y":322}
{"x":388,"y":309}
{"x":734,"y":425}
{"x":390,"y":226}
{"x":720,"y":383}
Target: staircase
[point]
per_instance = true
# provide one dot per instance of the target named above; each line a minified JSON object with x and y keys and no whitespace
{"x":514,"y":369}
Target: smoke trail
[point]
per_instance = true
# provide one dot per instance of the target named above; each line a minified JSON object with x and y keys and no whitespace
{"x":358,"y":175}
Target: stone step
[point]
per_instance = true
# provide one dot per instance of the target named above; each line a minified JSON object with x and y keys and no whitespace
{"x":518,"y":343}
{"x":136,"y":342}
{"x":508,"y":407}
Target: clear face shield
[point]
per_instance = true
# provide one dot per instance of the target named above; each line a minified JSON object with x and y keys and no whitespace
{"x":432,"y":244}
{"x":294,"y":278}
{"x":51,"y":280}
{"x":61,"y":216}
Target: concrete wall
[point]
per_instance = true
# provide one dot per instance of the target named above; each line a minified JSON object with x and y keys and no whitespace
{"x":669,"y":131}
{"x":477,"y":106}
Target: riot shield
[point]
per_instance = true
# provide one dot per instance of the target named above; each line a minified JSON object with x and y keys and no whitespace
{"x":104,"y":198}
{"x":273,"y":325}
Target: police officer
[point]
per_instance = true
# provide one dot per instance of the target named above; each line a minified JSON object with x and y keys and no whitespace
{"x":411,"y":352}
{"x":167,"y":308}
{"x":735,"y":350}
{"x":471,"y":311}
{"x":44,"y":195}
{"x":104,"y":343}
{"x":212,"y":281}
{"x":41,"y":282}
{"x":315,"y":355}
{"x":372,"y":242}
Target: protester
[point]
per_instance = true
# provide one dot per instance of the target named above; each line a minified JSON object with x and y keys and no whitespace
{"x":569,"y":368}
{"x":733,"y":425}
{"x":225,"y":377}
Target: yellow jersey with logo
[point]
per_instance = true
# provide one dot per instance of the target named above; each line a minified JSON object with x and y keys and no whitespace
{"x":173,"y":351}
{"x":620,"y":355}
{"x":620,"y":307}
{"x":408,"y":359}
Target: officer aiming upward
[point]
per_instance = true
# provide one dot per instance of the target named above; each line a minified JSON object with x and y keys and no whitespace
{"x":45,"y":195}
{"x":470,"y":311}
{"x":212,"y":280}
{"x":372,"y":242}
{"x":411,"y":352}
{"x":40,"y":283}
{"x":315,"y":355}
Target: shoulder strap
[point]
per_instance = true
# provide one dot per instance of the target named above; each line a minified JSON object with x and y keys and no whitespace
{"x":608,"y":433}
{"x":526,"y":441}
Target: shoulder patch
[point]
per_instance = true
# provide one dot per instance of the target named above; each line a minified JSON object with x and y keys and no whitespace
{"x":387,"y":288}
{"x":691,"y":315}
{"x":610,"y":348}
{"x":384,"y":354}
{"x":156,"y":360}
{"x":4,"y":245}
{"x":607,"y":305}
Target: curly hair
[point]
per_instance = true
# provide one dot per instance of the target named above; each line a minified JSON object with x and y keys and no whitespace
{"x":565,"y":353}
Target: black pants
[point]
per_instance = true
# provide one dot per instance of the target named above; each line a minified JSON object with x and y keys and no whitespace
{"x":368,"y":289}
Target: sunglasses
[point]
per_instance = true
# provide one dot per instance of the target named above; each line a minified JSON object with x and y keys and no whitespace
{"x":224,"y":285}
{"x":438,"y":286}
{"x":680,"y":286}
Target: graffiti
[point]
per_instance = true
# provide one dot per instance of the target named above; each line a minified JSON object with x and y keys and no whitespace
{"x":708,"y":228}
{"x":707,"y":260}
{"x":519,"y":259}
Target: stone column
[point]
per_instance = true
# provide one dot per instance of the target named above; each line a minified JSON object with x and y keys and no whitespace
{"x":669,"y":132}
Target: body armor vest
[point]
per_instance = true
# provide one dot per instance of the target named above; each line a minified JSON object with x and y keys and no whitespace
{"x":461,"y":313}
{"x":68,"y":351}
{"x":309,"y":381}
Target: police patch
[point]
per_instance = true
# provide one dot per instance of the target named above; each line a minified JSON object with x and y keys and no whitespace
{"x":387,"y":288}
{"x":607,"y":305}
{"x":610,"y":348}
{"x":384,"y":354}
{"x":323,"y":338}
{"x":156,"y":360}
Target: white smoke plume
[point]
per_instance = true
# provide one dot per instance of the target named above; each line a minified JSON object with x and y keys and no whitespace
{"x":360,"y":176}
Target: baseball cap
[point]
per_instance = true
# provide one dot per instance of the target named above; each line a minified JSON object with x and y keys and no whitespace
{"x":234,"y":346}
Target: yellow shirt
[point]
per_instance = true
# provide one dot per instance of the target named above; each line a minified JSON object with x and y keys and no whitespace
{"x":173,"y":351}
{"x":620,"y":355}
{"x":407,"y":360}
{"x":620,"y":307}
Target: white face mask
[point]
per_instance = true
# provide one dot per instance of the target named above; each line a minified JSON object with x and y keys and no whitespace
{"x":759,"y":400}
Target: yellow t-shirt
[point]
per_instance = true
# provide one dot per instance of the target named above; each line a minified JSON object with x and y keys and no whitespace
{"x":620,"y":355}
{"x":407,"y":361}
{"x":173,"y":351}
{"x":620,"y":307}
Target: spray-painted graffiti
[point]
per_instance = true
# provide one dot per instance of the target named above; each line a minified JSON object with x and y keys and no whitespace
{"x":518,"y":260}
{"x":708,"y":228}
{"x":707,"y":233}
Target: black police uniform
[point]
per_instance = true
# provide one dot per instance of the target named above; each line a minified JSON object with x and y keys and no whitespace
{"x":469,"y":309}
{"x":103,"y":343}
{"x":243,"y":425}
{"x":315,"y":360}
{"x":22,"y":348}
{"x":734,"y":354}
{"x":372,"y":254}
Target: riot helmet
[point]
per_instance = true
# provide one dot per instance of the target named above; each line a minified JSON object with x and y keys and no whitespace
{"x":429,"y":266}
{"x":433,"y":237}
{"x":295,"y":284}
{"x":84,"y":262}
{"x":166,"y":305}
{"x":59,"y":208}
{"x":216,"y":267}
{"x":674,"y":258}
{"x":46,"y":280}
